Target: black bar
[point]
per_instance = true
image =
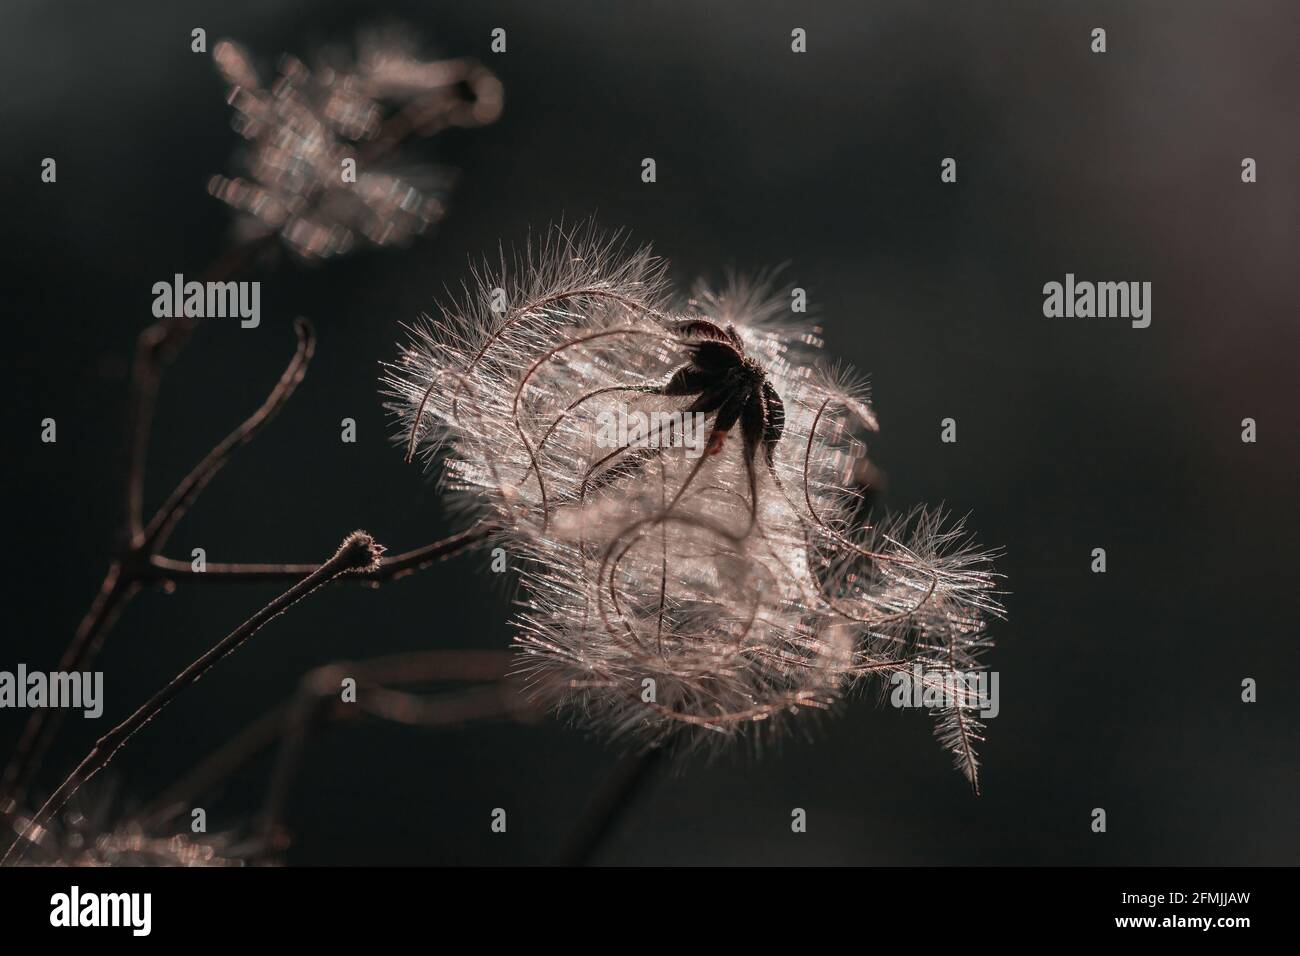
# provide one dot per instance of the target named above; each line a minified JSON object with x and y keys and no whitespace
{"x":952,"y":907}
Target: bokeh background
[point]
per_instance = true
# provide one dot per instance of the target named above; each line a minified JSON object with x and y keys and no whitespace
{"x":1119,"y":690}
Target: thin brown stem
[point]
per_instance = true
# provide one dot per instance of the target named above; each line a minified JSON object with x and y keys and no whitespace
{"x":256,"y":738}
{"x":358,"y":552}
{"x":140,"y":546}
{"x":491,"y":701}
{"x":178,"y":502}
{"x":483,"y":667}
{"x":156,"y":347}
{"x":389,"y":568}
{"x":259,"y":736}
{"x":616,"y":796}
{"x":114,"y":593}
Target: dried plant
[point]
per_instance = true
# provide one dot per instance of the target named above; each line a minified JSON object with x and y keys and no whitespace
{"x":669,"y":596}
{"x":297,"y":129}
{"x":472,"y":687}
{"x":97,"y":831}
{"x":358,"y":554}
{"x":697,"y":598}
{"x":308,"y":124}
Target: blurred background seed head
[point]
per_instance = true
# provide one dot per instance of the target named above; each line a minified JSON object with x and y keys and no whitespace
{"x":321,"y":141}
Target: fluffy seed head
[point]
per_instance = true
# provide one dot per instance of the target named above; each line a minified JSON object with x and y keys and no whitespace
{"x":685,"y":586}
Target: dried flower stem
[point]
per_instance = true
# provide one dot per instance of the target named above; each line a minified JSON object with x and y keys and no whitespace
{"x":139,"y":560}
{"x":358,"y":552}
{"x":489,"y":668}
{"x":131,"y":568}
{"x":495,"y":699}
{"x":389,"y":567}
{"x":156,"y":348}
{"x":619,"y":791}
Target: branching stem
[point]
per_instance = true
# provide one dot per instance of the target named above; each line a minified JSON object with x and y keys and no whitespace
{"x":357,"y":553}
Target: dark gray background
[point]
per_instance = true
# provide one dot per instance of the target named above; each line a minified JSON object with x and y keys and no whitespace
{"x":1118,"y":690}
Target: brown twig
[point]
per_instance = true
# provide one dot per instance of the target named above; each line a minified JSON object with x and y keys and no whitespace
{"x":487,"y":667}
{"x":140,"y":545}
{"x":389,"y":568}
{"x":493,"y":697}
{"x":183,"y":495}
{"x":616,"y":796}
{"x":131,"y":567}
{"x":358,"y":552}
{"x":156,"y":348}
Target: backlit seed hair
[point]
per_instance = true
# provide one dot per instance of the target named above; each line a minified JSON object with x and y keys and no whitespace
{"x":669,"y":594}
